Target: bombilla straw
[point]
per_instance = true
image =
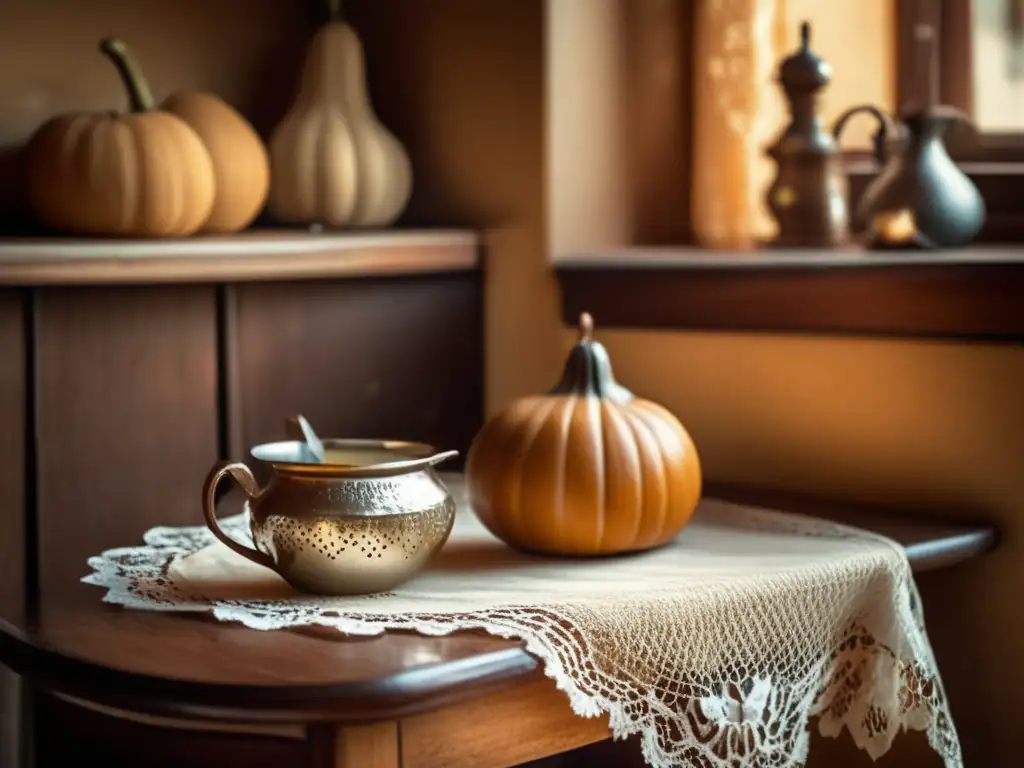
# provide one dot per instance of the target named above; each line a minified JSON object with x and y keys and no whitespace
{"x":314,"y":446}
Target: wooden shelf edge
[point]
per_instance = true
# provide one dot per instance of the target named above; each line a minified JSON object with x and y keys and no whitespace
{"x":974,"y":294}
{"x":249,"y":256}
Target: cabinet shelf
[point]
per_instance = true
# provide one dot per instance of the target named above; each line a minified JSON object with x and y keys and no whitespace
{"x":249,"y":256}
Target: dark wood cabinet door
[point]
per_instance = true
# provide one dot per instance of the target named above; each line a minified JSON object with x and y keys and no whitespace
{"x":396,"y":358}
{"x":12,"y":501}
{"x":126,"y":402}
{"x":127,"y":396}
{"x":12,"y":453}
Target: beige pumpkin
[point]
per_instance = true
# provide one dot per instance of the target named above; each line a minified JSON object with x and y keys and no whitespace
{"x":332,"y":161}
{"x":145,"y":173}
{"x":241,"y":166}
{"x":587,"y":469}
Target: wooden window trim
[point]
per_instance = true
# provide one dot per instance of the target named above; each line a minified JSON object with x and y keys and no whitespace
{"x":971,"y":295}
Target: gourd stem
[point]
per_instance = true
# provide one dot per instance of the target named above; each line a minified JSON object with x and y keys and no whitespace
{"x":586,"y":326}
{"x":139,"y":95}
{"x":333,"y":10}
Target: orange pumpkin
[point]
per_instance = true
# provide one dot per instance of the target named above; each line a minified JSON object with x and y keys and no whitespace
{"x":146,"y":173}
{"x":587,"y":469}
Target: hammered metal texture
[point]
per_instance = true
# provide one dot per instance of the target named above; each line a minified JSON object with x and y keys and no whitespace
{"x":347,"y":537}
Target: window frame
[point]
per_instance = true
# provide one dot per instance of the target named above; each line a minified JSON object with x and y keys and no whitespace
{"x":952,"y":20}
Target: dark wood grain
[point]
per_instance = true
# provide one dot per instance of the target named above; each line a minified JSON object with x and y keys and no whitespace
{"x":12,"y":502}
{"x":127,"y":423}
{"x":913,"y":80}
{"x":973,"y":295}
{"x":199,"y":668}
{"x":395,"y":358}
{"x":954,"y":21}
{"x":88,"y":737}
{"x":12,"y":451}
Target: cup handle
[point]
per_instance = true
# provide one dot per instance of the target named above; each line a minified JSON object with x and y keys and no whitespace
{"x":247,"y":482}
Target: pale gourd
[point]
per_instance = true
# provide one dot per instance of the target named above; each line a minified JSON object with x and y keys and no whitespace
{"x":587,"y":469}
{"x":144,"y":174}
{"x":332,"y":161}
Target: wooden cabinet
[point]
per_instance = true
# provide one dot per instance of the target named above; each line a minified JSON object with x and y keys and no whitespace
{"x":127,"y":370}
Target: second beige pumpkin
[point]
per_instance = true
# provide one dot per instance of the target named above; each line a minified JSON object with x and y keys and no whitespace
{"x":240,"y":163}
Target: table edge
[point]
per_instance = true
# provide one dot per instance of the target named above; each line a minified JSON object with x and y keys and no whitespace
{"x":397,"y":695}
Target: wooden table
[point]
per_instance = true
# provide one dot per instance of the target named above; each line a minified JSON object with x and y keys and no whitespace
{"x":315,"y":698}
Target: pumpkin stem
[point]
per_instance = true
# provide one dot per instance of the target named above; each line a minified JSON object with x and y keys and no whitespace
{"x":333,"y":10}
{"x":588,"y":371}
{"x":139,"y":95}
{"x":586,"y":326}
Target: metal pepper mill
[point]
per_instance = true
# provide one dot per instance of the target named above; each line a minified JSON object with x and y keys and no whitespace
{"x":808,"y":198}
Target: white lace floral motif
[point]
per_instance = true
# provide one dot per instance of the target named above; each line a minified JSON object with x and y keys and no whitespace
{"x":719,"y":649}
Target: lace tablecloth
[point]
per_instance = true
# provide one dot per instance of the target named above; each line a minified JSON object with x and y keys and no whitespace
{"x":720,"y":649}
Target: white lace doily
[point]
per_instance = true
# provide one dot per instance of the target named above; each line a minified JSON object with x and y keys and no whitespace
{"x":719,"y":648}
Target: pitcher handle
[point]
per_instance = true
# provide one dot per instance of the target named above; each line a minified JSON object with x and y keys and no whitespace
{"x":886,"y":128}
{"x":247,"y":482}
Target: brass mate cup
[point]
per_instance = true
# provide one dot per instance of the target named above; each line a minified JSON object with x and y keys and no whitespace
{"x":364,"y":520}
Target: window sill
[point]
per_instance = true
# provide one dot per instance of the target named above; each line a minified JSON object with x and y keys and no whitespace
{"x":974,"y":294}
